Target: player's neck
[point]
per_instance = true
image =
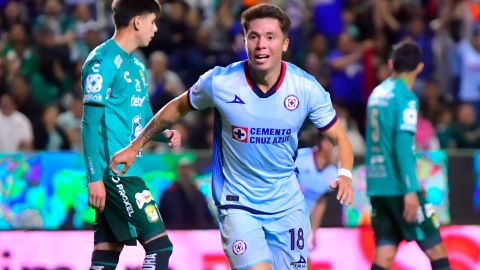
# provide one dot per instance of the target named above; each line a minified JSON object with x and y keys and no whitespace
{"x":125,"y":40}
{"x":265,"y":79}
{"x":407,"y":78}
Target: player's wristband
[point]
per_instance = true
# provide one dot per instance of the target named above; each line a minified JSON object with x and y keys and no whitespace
{"x":345,"y":172}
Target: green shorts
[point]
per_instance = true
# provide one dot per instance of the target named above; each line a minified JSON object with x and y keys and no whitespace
{"x":130,"y":213}
{"x":390,"y":227}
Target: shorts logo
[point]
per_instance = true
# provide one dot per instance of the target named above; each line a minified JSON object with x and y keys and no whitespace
{"x":115,"y":179}
{"x":93,"y":83}
{"x":143,"y":198}
{"x":239,"y":247}
{"x":301,"y":263}
{"x":152,"y":213}
{"x":291,"y":102}
{"x":240,"y":133}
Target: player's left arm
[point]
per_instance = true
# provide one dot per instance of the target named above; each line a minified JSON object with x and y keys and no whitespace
{"x":343,"y":183}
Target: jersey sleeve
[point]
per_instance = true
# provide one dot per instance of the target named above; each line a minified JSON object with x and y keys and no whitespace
{"x":91,"y":131}
{"x":320,"y":108}
{"x":404,"y":143}
{"x":407,"y":115}
{"x":97,"y":80}
{"x":200,"y":95}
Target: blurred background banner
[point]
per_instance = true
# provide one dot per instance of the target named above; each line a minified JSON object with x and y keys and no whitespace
{"x":432,"y":175}
{"x":48,"y":191}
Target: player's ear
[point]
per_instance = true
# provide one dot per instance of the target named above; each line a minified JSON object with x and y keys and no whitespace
{"x":390,"y":64}
{"x":420,"y":67}
{"x":285,"y":44}
{"x":136,"y":23}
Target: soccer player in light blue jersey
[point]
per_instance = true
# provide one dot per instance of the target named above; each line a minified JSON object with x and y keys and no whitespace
{"x":260,"y":105}
{"x":316,"y":171}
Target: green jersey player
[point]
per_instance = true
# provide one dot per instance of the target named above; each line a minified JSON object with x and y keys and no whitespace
{"x":116,"y":108}
{"x":399,"y":211}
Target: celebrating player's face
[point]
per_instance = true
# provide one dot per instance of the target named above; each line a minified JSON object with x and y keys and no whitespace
{"x":146,"y":28}
{"x":265,"y":43}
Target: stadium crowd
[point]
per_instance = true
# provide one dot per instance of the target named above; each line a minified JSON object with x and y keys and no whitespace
{"x":343,"y":43}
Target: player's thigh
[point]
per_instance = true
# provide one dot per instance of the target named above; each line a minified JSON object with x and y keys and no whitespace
{"x":115,"y":236}
{"x":134,"y":202}
{"x":384,"y":220}
{"x":243,"y":239}
{"x":287,"y":238}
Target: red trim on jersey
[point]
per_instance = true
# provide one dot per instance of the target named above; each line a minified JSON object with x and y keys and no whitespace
{"x":245,"y":71}
{"x":283,"y":71}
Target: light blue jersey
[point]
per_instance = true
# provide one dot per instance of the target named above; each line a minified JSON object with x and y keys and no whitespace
{"x":314,"y":182}
{"x":256,"y":134}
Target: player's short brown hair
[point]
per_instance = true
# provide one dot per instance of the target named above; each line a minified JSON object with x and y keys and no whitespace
{"x":266,"y":11}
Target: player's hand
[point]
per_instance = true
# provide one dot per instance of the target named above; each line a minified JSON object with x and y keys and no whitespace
{"x":125,"y":156}
{"x":96,"y":195}
{"x":411,"y":205}
{"x":343,"y":185}
{"x":174,"y":136}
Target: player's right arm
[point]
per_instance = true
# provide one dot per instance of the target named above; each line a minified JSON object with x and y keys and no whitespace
{"x":404,"y":151}
{"x":97,"y":80}
{"x":199,"y":96}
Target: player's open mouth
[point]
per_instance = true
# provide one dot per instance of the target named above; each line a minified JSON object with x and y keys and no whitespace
{"x":261,"y":58}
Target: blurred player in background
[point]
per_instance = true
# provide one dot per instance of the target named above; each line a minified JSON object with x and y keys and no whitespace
{"x":316,"y":171}
{"x":116,"y":107}
{"x":399,"y":210}
{"x":260,"y":105}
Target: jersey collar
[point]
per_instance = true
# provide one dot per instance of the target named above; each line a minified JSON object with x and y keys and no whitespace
{"x":270,"y":91}
{"x":118,"y":49}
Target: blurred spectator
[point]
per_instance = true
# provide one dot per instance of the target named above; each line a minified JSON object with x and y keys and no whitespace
{"x":48,"y":135}
{"x":327,"y":19}
{"x":22,"y":94}
{"x":222,"y":28}
{"x":351,"y":129}
{"x":316,"y":59}
{"x":164,"y":84}
{"x":182,"y":205}
{"x":432,"y":101}
{"x":346,"y":84}
{"x":418,"y":32}
{"x":469,"y":67}
{"x":82,"y":20}
{"x":15,"y":12}
{"x":57,"y":20}
{"x":173,"y":32}
{"x":70,"y":121}
{"x":18,"y":52}
{"x":15,"y":128}
{"x":82,"y":47}
{"x":465,"y":131}
{"x":52,"y":78}
{"x":443,"y":128}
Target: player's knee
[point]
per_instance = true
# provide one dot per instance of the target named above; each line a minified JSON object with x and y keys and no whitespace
{"x":108,"y":246}
{"x":158,"y":252}
{"x":384,"y":256}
